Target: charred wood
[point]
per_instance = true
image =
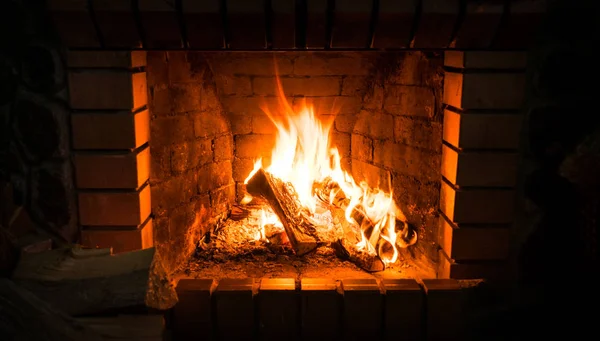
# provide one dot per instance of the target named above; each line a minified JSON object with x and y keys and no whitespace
{"x":283,"y":200}
{"x":333,"y":199}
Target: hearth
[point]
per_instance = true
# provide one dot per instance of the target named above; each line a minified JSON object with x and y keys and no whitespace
{"x":293,"y":168}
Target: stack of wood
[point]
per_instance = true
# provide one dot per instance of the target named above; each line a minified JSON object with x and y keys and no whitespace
{"x":46,"y":293}
{"x":53,"y":286}
{"x":300,"y":227}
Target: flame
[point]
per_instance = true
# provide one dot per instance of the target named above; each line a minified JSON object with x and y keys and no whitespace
{"x":303,"y":155}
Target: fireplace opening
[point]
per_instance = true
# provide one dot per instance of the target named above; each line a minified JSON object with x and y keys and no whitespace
{"x":296,"y":163}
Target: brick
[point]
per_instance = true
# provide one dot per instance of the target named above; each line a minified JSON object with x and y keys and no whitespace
{"x":223,"y":148}
{"x":362,"y":148}
{"x":485,"y":59}
{"x":488,"y":269}
{"x":419,"y":68}
{"x":210,"y":124}
{"x":167,"y":35}
{"x":321,"y":309}
{"x":479,"y":25}
{"x":314,"y":86}
{"x":478,"y":168}
{"x":242,"y":168}
{"x":231,"y":85}
{"x":351,"y":24}
{"x":394,"y":24}
{"x":204,"y":24}
{"x":175,"y":99}
{"x":373,"y":175}
{"x":480,"y":242}
{"x":312,"y":64}
{"x":436,"y":23}
{"x":121,"y":240}
{"x":246,"y":20}
{"x":262,"y":124}
{"x":477,"y":205}
{"x":283,"y":24}
{"x":407,"y":160}
{"x":482,"y":130}
{"x":234,"y":305}
{"x":107,"y":89}
{"x":240,"y":124}
{"x":331,"y":105}
{"x":409,"y":100}
{"x":342,"y":142}
{"x":127,"y":170}
{"x":192,"y":314}
{"x":363,"y":309}
{"x":404,"y":308}
{"x":160,"y":163}
{"x":245,"y":106}
{"x":214,"y":175}
{"x":106,"y":59}
{"x":354,"y":86}
{"x":165,"y":131}
{"x":192,"y":154}
{"x":484,"y":90}
{"x":114,"y":208}
{"x":73,"y":23}
{"x":251,"y":64}
{"x":122,"y":130}
{"x":115,"y":20}
{"x":253,"y":146}
{"x":418,"y":133}
{"x":375,"y":125}
{"x":344,"y":123}
{"x":222,"y":198}
{"x":173,"y":191}
{"x":444,"y":299}
{"x":279,"y":307}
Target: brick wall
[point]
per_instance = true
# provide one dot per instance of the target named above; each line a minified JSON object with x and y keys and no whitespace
{"x":333,"y":83}
{"x":191,"y":148}
{"x":397,"y":137}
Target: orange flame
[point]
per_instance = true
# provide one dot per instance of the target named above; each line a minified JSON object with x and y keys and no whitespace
{"x":303,"y":155}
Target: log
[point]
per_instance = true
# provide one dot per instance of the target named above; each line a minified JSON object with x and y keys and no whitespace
{"x":283,"y":200}
{"x":346,"y":247}
{"x":25,"y":317}
{"x":92,"y":281}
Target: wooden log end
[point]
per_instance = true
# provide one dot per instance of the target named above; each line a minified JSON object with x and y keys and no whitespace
{"x":365,"y":261}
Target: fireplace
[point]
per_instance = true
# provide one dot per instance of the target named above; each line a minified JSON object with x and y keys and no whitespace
{"x":157,"y":134}
{"x":400,"y":122}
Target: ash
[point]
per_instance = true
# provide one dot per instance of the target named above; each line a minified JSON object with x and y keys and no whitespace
{"x":237,"y":248}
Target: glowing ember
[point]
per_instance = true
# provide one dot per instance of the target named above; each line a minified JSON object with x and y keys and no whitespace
{"x":303,"y":156}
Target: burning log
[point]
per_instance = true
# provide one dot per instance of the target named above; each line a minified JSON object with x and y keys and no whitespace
{"x":92,"y":281}
{"x":347,"y":246}
{"x":283,"y":200}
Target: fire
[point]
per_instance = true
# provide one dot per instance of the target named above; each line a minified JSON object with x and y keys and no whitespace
{"x":303,"y":155}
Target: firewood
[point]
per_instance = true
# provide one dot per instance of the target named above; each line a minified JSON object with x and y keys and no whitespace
{"x":346,"y":247}
{"x":283,"y":200}
{"x":93,"y":281}
{"x":26,"y":317}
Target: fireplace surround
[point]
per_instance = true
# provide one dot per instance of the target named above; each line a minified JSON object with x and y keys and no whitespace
{"x":162,"y":138}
